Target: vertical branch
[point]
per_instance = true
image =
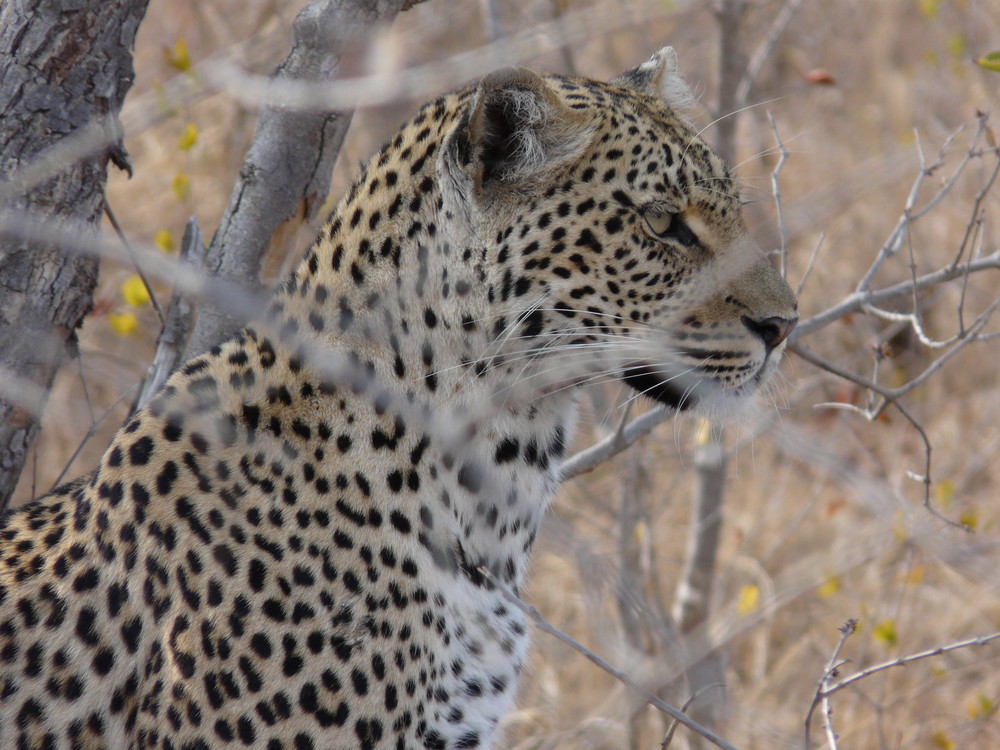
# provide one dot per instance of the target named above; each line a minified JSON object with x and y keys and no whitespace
{"x":629,"y":592}
{"x":729,"y":14}
{"x":776,"y":192}
{"x":287,"y":169}
{"x":177,"y":324}
{"x":694,"y":592}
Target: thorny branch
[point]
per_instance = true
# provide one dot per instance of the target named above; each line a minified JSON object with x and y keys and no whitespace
{"x":866,"y":300}
{"x":831,"y":671}
{"x":827,"y":687}
{"x":902,"y":661}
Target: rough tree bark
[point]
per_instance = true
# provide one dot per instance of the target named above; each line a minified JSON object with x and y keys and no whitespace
{"x":66,"y":66}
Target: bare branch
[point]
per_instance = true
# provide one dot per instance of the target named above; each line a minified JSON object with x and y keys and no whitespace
{"x":763,"y":52}
{"x":846,"y":631}
{"x":902,"y":661}
{"x":592,"y":457}
{"x":776,"y":193}
{"x":669,"y":736}
{"x":910,"y":213}
{"x":811,"y":264}
{"x":135,"y":261}
{"x":177,"y":326}
{"x":856,"y":301}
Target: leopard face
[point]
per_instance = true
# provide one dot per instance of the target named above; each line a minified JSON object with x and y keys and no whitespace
{"x":615,"y":240}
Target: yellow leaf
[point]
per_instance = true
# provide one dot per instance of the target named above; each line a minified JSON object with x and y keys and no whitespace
{"x":981,"y":707}
{"x":178,"y":56}
{"x":945,"y":493}
{"x":164,"y":240}
{"x":181,"y":186}
{"x":189,"y":137}
{"x":829,"y":587}
{"x":990,"y":61}
{"x":969,"y":519}
{"x":915,"y":575}
{"x":885,"y":632}
{"x":930,"y":8}
{"x":135,"y":292}
{"x":748,"y":599}
{"x":124,"y":324}
{"x":941,"y":740}
{"x":956,"y":45}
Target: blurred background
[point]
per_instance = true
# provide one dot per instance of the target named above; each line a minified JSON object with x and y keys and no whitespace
{"x":820,"y":518}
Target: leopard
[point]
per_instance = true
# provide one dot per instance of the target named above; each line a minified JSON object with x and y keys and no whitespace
{"x":309,"y":539}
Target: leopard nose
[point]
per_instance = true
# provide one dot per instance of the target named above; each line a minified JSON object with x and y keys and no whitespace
{"x":772,"y":331}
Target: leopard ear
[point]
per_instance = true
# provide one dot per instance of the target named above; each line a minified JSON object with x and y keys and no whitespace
{"x":660,"y":76}
{"x":516,"y":128}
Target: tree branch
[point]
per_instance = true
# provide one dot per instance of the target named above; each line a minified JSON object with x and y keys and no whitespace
{"x":590,"y":458}
{"x":286,"y":172}
{"x":177,"y":325}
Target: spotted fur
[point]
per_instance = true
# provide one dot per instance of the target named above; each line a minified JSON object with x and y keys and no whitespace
{"x":285,"y":549}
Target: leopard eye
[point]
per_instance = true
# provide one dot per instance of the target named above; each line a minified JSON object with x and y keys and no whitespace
{"x":657,"y":221}
{"x":669,"y":226}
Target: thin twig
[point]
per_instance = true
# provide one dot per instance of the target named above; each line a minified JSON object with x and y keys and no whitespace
{"x":812,"y":262}
{"x":776,"y":192}
{"x":889,"y":396}
{"x":542,"y":624}
{"x":669,"y":736}
{"x":763,"y":52}
{"x":135,"y":261}
{"x":91,"y":431}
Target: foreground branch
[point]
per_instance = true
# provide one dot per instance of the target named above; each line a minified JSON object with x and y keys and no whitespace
{"x":592,"y":457}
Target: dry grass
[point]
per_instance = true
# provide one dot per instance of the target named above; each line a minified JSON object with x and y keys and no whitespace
{"x":821,"y":520}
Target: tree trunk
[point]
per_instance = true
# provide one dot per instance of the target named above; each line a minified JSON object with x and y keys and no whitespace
{"x":65,"y":72}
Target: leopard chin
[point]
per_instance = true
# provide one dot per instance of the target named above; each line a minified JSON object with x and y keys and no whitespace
{"x":687,"y":392}
{"x":680,"y":392}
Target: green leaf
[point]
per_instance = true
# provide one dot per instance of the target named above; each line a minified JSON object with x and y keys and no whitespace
{"x":990,"y":61}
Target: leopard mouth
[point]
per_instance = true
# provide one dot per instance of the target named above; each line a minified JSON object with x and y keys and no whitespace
{"x":676,"y":391}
